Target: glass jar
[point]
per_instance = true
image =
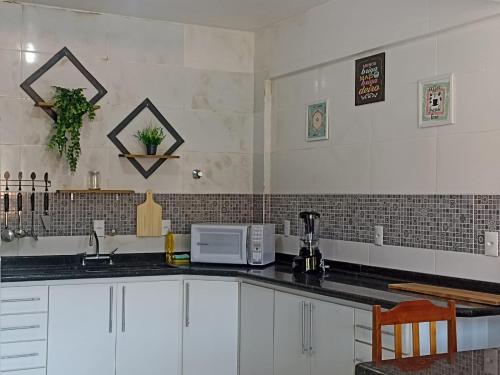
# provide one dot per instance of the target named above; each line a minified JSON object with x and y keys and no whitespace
{"x":94,"y":180}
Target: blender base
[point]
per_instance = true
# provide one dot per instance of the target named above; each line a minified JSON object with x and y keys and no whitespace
{"x":307,"y":263}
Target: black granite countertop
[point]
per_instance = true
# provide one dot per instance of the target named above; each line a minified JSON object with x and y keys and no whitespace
{"x":464,"y":363}
{"x":351,"y":282}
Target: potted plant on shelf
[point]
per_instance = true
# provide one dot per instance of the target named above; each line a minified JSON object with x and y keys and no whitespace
{"x":70,"y":105}
{"x":151,"y":136}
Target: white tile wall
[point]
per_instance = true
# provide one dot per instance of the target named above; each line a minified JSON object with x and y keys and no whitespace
{"x":10,"y":26}
{"x":449,"y":13}
{"x":468,"y":162}
{"x":145,"y":41}
{"x":333,"y":30}
{"x":342,"y":168}
{"x":407,"y":166}
{"x":337,"y":23}
{"x":10,"y":71}
{"x":403,"y":258}
{"x":351,"y":252}
{"x":396,"y":155}
{"x":85,"y":33}
{"x":200,"y":78}
{"x":218,"y":49}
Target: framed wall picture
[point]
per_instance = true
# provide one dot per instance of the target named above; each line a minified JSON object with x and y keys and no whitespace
{"x":317,"y":121}
{"x":436,"y":101}
{"x":370,"y":79}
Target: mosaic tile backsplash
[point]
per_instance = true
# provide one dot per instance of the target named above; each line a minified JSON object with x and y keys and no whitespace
{"x":440,"y":222}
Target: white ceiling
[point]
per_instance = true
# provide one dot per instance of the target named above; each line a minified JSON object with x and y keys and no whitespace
{"x":233,"y":14}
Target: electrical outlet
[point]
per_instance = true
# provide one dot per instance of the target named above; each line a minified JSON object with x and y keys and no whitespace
{"x":379,"y":235}
{"x":99,"y":227}
{"x":286,"y":225}
{"x":166,"y":226}
{"x":491,"y":244}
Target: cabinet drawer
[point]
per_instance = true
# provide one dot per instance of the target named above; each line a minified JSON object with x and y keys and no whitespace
{"x":23,"y":355}
{"x":363,"y":353}
{"x":36,"y":371}
{"x":25,"y":327}
{"x":24,"y":300}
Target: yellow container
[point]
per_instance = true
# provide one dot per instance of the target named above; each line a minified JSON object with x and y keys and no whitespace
{"x":169,"y":247}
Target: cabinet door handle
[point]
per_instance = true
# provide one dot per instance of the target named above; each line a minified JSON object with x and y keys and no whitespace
{"x":15,"y":356}
{"x":303,"y":307}
{"x":18,"y":328}
{"x":111,"y":309}
{"x":123,"y":308}
{"x":311,"y":327}
{"x":187,"y":305}
{"x":13,"y":300}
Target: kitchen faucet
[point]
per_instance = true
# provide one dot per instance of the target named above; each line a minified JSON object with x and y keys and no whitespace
{"x":93,"y":236}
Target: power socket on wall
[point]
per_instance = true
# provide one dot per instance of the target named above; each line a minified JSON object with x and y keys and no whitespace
{"x":491,"y":244}
{"x":99,"y":228}
{"x":286,"y":229}
{"x":379,"y":235}
{"x":166,"y":226}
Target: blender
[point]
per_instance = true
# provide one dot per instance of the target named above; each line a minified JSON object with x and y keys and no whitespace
{"x":309,"y":259}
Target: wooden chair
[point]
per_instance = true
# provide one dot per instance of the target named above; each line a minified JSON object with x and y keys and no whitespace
{"x":413,"y":312}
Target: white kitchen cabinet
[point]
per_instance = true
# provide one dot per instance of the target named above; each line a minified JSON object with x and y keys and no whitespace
{"x":117,"y":329}
{"x":312,"y":337}
{"x":256,"y":330}
{"x":82,"y":330}
{"x":148,"y":328}
{"x":332,"y":338}
{"x":290,"y":357}
{"x":210,"y":342}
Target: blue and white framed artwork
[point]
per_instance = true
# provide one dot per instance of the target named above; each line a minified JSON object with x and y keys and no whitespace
{"x":317,"y":121}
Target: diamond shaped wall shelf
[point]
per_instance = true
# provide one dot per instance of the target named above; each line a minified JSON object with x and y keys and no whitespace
{"x":65,"y":52}
{"x":113,"y":136}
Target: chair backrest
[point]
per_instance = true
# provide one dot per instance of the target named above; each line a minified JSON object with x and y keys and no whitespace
{"x":413,"y":312}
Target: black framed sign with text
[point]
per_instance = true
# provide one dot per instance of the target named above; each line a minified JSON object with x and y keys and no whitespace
{"x":370,"y":79}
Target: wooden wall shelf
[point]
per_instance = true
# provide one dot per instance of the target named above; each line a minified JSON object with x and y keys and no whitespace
{"x":51,"y":105}
{"x":140,"y":156}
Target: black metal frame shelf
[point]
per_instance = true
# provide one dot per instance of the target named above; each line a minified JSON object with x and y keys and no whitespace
{"x":113,"y":136}
{"x":65,"y":52}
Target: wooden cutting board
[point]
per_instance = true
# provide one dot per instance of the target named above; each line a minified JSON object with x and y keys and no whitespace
{"x":450,"y":293}
{"x":149,"y":217}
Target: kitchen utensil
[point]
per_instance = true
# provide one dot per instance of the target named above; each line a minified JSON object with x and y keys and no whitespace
{"x":46,"y":221}
{"x":6,"y":175}
{"x":149,"y":217}
{"x":309,"y":259}
{"x":32,"y":201}
{"x":20,"y":232}
{"x":7,"y":234}
{"x":449,"y":293}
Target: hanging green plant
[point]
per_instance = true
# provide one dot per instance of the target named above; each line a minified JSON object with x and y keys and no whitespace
{"x":71,"y":105}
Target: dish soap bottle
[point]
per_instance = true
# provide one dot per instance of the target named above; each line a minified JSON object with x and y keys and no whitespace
{"x":169,"y":247}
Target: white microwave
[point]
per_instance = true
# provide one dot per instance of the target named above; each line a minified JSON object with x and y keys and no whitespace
{"x":251,"y":244}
